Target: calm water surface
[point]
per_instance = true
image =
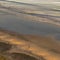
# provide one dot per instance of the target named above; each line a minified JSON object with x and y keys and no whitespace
{"x":16,"y":24}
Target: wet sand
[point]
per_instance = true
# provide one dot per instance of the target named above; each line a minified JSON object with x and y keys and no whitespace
{"x":39,"y":47}
{"x":32,"y":34}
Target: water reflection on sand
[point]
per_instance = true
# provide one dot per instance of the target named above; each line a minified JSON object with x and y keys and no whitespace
{"x":16,"y":24}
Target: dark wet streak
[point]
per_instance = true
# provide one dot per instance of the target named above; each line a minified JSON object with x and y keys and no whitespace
{"x":22,"y":56}
{"x":4,"y":47}
{"x":56,"y":10}
{"x":21,"y":3}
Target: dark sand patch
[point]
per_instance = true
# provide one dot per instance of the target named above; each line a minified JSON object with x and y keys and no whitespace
{"x":4,"y":47}
{"x":21,"y":56}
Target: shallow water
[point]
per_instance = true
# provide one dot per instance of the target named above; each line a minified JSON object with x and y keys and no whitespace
{"x":13,"y":23}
